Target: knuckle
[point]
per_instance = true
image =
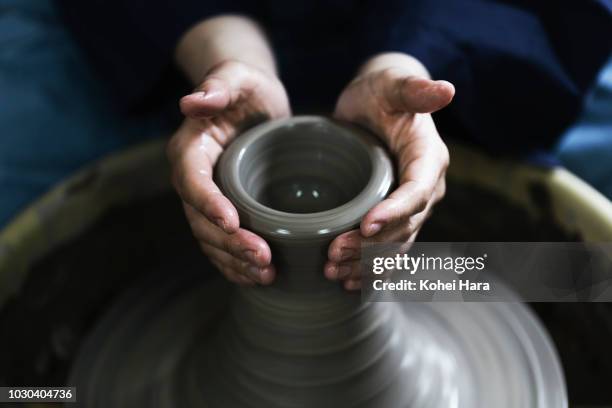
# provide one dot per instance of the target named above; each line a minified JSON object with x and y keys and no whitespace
{"x":421,"y":197}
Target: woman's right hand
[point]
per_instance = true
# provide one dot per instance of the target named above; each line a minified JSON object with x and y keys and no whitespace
{"x":232,"y":96}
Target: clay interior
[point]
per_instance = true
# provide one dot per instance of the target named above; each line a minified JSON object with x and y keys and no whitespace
{"x":307,"y":171}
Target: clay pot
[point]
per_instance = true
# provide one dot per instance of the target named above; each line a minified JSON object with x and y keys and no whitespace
{"x":303,"y":341}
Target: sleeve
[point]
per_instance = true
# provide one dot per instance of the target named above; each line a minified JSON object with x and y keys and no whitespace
{"x":131,"y":43}
{"x":521,"y":68}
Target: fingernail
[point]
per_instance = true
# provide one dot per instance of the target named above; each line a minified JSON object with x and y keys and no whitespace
{"x":250,"y":255}
{"x":347,"y":253}
{"x":210,"y":94}
{"x":374,"y":228}
{"x":443,"y":83}
{"x":198,"y":94}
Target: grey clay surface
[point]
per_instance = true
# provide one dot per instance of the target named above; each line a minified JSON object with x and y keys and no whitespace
{"x":304,"y":342}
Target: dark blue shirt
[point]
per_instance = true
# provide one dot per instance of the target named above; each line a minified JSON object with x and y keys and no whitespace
{"x":521,"y":68}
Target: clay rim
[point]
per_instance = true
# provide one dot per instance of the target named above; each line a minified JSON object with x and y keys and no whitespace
{"x":274,"y":223}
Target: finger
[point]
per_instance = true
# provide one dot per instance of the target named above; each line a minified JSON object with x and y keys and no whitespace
{"x":352,"y":270}
{"x":192,"y":162}
{"x":413,"y":94}
{"x":262,"y":275}
{"x":236,"y":277}
{"x":352,"y":284}
{"x":396,"y":233}
{"x":398,"y":226}
{"x":342,"y":271}
{"x":229,"y":274}
{"x":212,"y":97}
{"x":219,"y":90}
{"x":345,"y":247}
{"x":242,"y":244}
{"x":410,"y":198}
{"x":338,"y":269}
{"x":419,"y":180}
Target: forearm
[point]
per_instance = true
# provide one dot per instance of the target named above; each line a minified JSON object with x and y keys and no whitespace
{"x":394,"y":60}
{"x":223,"y":38}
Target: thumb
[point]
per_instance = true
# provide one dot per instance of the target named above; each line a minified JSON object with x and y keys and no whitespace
{"x":417,"y":94}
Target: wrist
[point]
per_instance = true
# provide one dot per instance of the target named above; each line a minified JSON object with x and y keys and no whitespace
{"x":220,"y":39}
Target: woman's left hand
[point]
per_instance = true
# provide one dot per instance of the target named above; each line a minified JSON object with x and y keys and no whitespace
{"x":394,"y":97}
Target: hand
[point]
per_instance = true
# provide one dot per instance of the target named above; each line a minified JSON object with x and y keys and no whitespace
{"x":394,"y":97}
{"x":233,"y":95}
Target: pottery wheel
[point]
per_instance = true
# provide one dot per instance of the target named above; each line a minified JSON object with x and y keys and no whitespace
{"x":183,"y":341}
{"x":303,"y":342}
